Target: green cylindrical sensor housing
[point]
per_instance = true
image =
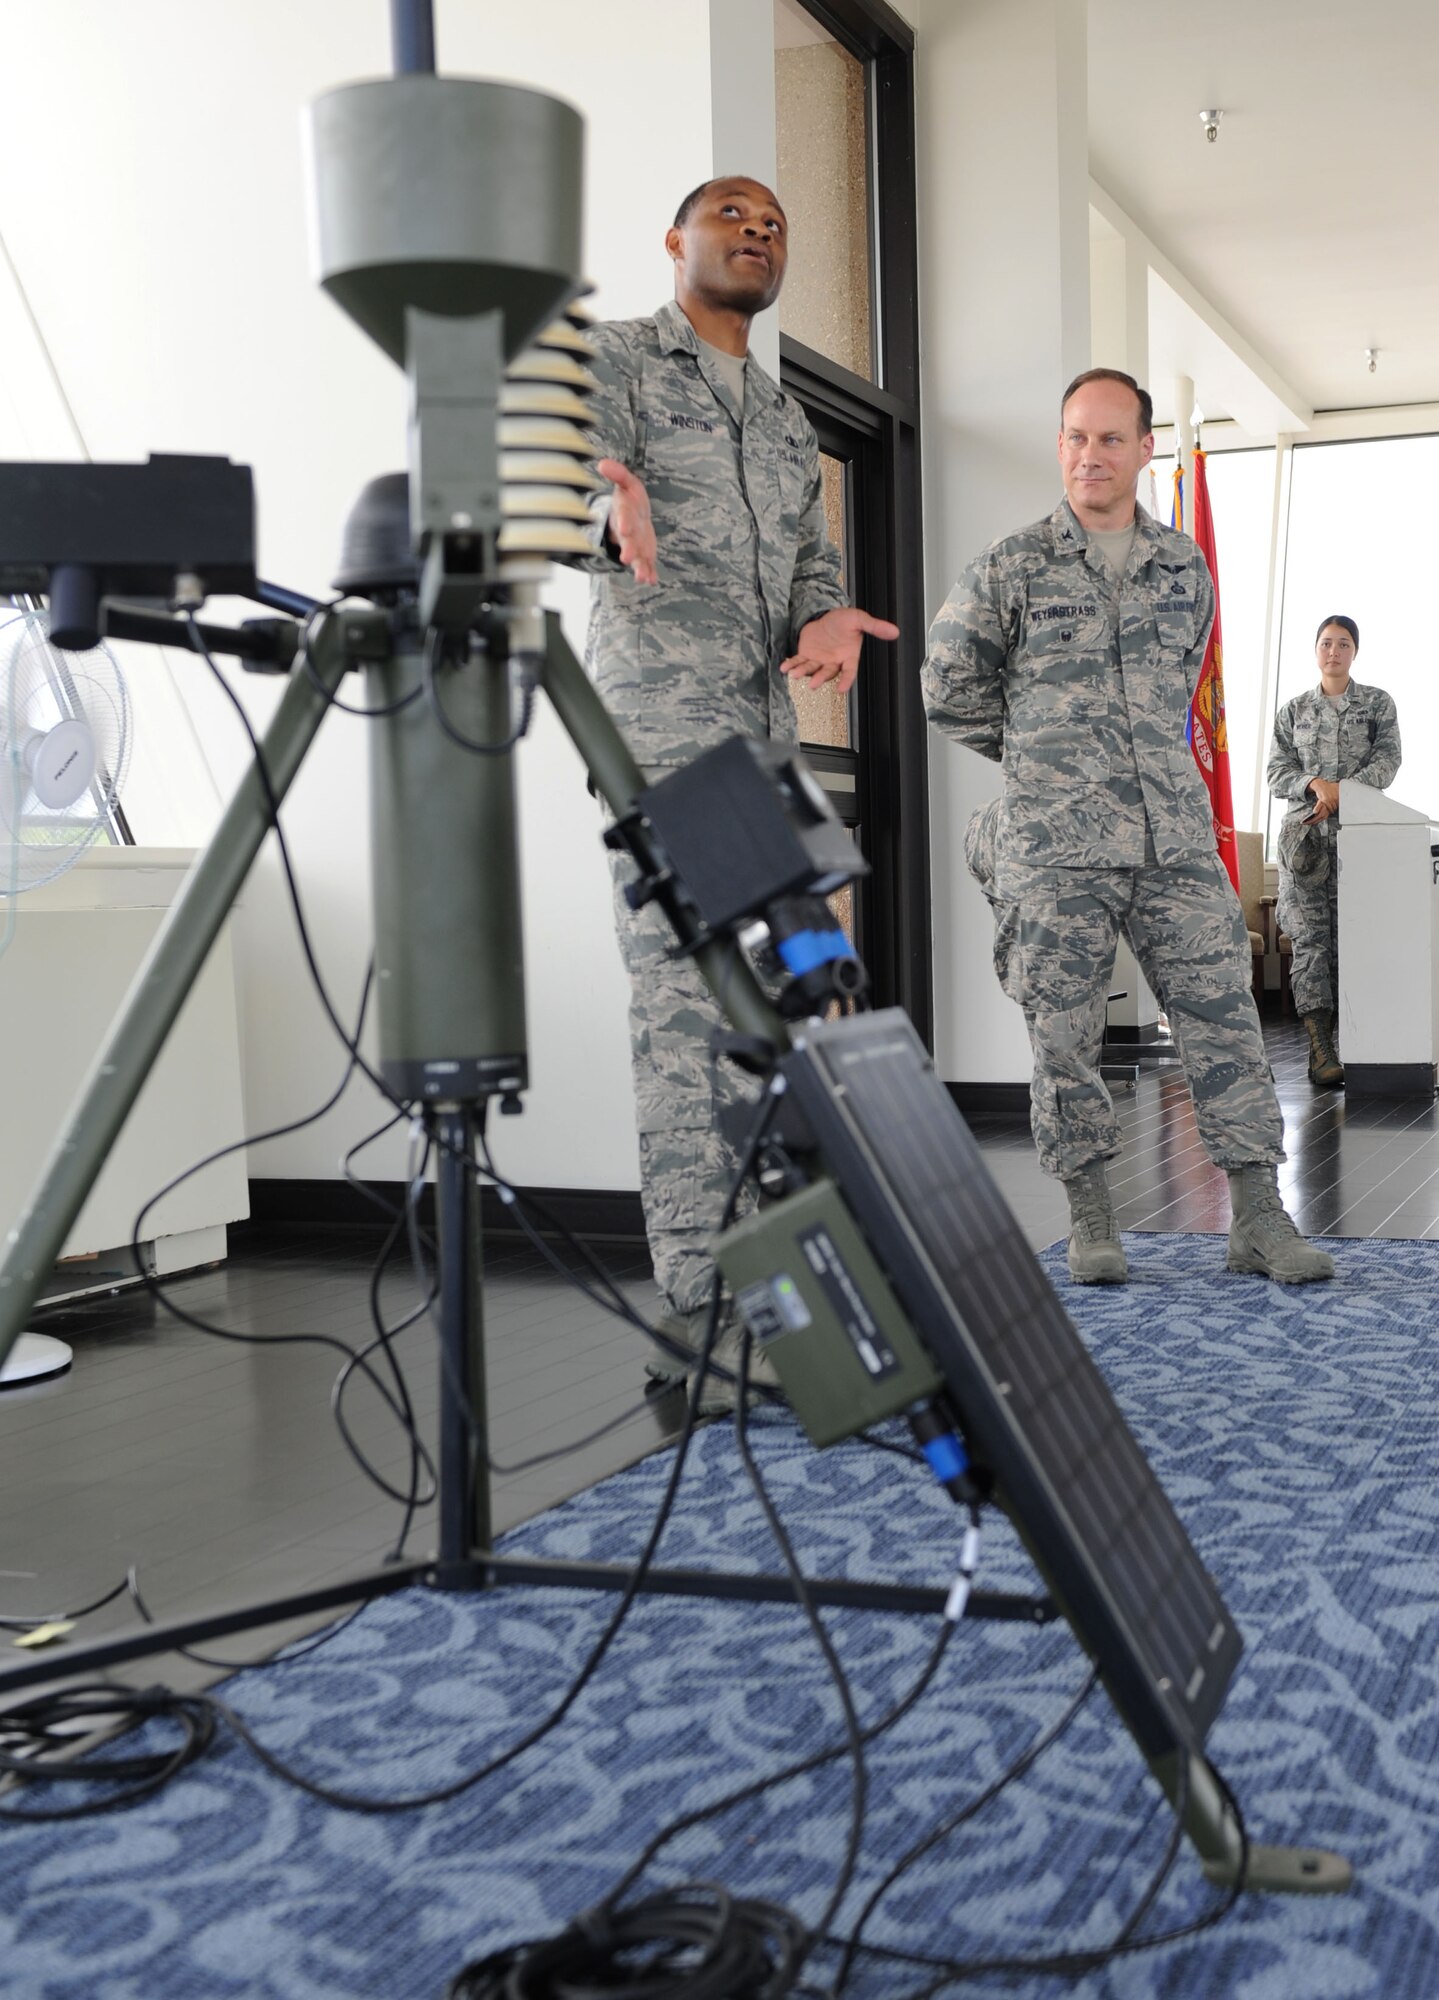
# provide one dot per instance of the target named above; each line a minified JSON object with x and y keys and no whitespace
{"x":449,"y":968}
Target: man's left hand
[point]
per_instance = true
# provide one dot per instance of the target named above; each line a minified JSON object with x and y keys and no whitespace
{"x":828,"y":648}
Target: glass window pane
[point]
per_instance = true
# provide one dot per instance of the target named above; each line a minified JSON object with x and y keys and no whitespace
{"x":1361,"y":543}
{"x":842,"y":904}
{"x":824,"y":712}
{"x":821,"y":117}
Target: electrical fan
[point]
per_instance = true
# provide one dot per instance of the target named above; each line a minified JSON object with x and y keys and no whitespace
{"x":64,"y":741}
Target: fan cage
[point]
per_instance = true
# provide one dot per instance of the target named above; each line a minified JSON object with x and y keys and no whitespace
{"x":41,"y":686}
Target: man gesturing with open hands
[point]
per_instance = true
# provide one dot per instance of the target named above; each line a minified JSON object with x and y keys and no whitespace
{"x":718,"y":585}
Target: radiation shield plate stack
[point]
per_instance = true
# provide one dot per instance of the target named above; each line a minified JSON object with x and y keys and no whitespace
{"x":547,"y":475}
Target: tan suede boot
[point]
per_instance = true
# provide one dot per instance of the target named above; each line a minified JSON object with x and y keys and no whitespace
{"x":688,"y":1329}
{"x":1324,"y":1064}
{"x":1096,"y":1255}
{"x":1262,"y":1240}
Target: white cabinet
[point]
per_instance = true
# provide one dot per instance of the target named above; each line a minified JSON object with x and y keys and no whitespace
{"x":1388,"y":943}
{"x":77,"y":943}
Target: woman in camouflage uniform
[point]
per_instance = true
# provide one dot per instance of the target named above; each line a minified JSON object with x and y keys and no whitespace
{"x":1337,"y":730}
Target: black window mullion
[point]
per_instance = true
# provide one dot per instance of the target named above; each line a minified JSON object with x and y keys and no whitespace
{"x":873,"y":429}
{"x":896,"y":224}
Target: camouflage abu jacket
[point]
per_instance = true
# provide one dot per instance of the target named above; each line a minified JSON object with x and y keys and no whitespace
{"x":1355,"y":737}
{"x":1080,"y":684}
{"x":744,"y":557}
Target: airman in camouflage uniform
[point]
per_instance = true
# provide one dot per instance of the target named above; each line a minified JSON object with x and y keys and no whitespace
{"x":1340,"y":729}
{"x":1069,"y":653}
{"x":732,"y":587}
{"x":745,"y":560}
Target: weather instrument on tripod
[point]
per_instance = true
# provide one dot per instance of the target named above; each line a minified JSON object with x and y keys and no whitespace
{"x":885,"y":1274}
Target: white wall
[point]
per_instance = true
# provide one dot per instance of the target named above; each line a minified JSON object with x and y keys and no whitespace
{"x":743,"y":118}
{"x":1118,"y":301}
{"x":163,"y":248}
{"x":1004,"y":304}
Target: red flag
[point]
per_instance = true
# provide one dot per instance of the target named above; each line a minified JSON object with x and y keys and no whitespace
{"x":1208,"y":732}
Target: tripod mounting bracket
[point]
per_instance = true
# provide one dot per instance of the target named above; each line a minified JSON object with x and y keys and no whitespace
{"x":76,"y":533}
{"x":455,"y":369}
{"x":746,"y":825}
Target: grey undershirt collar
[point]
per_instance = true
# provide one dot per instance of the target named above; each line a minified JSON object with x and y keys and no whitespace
{"x":1114,"y":544}
{"x":731,"y":368}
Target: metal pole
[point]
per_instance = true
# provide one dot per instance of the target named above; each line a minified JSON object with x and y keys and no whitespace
{"x":464,"y":1505}
{"x":1273,"y":618}
{"x":412,"y":36}
{"x":1184,"y":441}
{"x":162,"y":985}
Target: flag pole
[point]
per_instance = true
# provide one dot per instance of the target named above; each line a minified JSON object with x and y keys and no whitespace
{"x":1208,"y":727}
{"x":1184,"y":452}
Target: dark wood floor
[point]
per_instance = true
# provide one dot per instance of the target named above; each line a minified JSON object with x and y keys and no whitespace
{"x":1353,"y":1166}
{"x":217,"y":1470}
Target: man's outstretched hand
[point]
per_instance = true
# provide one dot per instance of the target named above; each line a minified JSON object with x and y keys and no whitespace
{"x":630,"y":527}
{"x":828,"y":648}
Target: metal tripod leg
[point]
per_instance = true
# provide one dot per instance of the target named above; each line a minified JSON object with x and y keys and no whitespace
{"x":1211,"y":1827}
{"x":161,"y":986}
{"x":619,"y":782}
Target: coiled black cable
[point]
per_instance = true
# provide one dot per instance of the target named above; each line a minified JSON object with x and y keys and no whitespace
{"x":44,"y":1727}
{"x":699,"y":1942}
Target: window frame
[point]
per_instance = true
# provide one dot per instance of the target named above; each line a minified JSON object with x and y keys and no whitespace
{"x":874,"y":427}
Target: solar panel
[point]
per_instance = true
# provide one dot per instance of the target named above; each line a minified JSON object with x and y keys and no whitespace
{"x":1034,"y":1408}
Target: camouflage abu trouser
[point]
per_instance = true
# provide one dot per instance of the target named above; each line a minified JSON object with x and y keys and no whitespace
{"x":1309,"y":913}
{"x":1056,"y":930}
{"x":687,"y":1166}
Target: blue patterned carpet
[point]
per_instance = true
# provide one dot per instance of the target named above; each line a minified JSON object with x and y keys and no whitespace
{"x":1296,"y":1431}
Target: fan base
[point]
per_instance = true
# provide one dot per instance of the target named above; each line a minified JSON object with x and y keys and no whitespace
{"x":35,"y":1357}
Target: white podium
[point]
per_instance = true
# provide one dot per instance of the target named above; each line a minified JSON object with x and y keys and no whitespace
{"x":1388,"y":944}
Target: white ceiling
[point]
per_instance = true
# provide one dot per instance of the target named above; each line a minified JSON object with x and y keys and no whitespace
{"x":1312,"y":222}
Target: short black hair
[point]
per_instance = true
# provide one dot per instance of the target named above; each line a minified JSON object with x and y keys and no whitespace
{"x":1339,"y":619}
{"x":687,"y":207}
{"x":696,"y":195}
{"x":1146,"y":401}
